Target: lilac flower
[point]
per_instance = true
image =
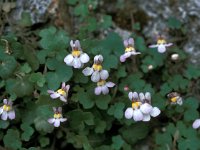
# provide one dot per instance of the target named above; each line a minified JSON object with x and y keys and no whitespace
{"x":129,"y":49}
{"x":96,"y":70}
{"x":60,"y":93}
{"x":175,"y":98}
{"x":103,"y":87}
{"x":6,"y":111}
{"x":57,"y":118}
{"x":141,"y":107}
{"x":161,"y":45}
{"x":77,"y":58}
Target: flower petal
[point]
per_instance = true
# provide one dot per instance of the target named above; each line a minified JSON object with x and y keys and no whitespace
{"x":155,"y":112}
{"x":11,"y":114}
{"x":153,"y":46}
{"x":1,"y":110}
{"x":146,"y":108}
{"x":196,"y":124}
{"x":130,"y":95}
{"x":110,"y":84}
{"x":72,"y":44}
{"x":5,"y":101}
{"x":128,"y":113}
{"x":135,"y":96}
{"x":57,"y":123}
{"x":4,"y":115}
{"x":55,"y":95}
{"x":84,"y":58}
{"x":50,"y":91}
{"x":87,"y":71}
{"x":180,"y":101}
{"x":97,"y":90}
{"x":137,"y":115}
{"x":62,"y":98}
{"x":146,"y":117}
{"x":135,"y":53}
{"x":77,"y":44}
{"x":63,"y":85}
{"x":123,"y":58}
{"x":168,"y":44}
{"x":130,"y":41}
{"x":69,"y":59}
{"x":63,"y":119}
{"x":161,"y":48}
{"x":77,"y":63}
{"x":125,"y":43}
{"x":95,"y":76}
{"x":104,"y":74}
{"x":51,"y":120}
{"x":105,"y":90}
{"x":148,"y":96}
{"x":141,"y":95}
{"x":67,"y":87}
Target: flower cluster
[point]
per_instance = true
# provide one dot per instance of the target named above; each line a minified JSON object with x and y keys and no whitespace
{"x":161,"y":45}
{"x":99,"y":75}
{"x":141,"y":109}
{"x":129,"y":49}
{"x":6,"y":111}
{"x":77,"y":58}
{"x":175,"y":98}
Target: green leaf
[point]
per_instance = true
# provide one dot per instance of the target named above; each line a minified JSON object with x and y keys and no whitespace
{"x":100,"y":126}
{"x":44,"y":141}
{"x":4,"y":124}
{"x":26,"y":68}
{"x":117,"y":142}
{"x":117,"y":110}
{"x":85,"y":100}
{"x":192,"y":72}
{"x":25,"y":19}
{"x":28,"y":131}
{"x":42,"y":125}
{"x":81,"y":10}
{"x":174,"y":23}
{"x":102,"y":101}
{"x":106,"y":22}
{"x":110,"y":61}
{"x":37,"y":78}
{"x":12,"y":139}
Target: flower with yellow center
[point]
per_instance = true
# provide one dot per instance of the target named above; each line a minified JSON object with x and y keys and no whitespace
{"x":103,"y":87}
{"x":97,"y":71}
{"x":175,"y":98}
{"x":57,"y":117}
{"x":60,"y":93}
{"x":161,"y":45}
{"x":6,"y":110}
{"x":129,"y":50}
{"x":77,"y":58}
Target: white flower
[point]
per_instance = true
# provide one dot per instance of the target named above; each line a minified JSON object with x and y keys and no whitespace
{"x":6,"y":111}
{"x":103,"y":87}
{"x":141,"y":107}
{"x":175,"y":98}
{"x":77,"y":58}
{"x":96,"y":70}
{"x":60,"y":93}
{"x":129,"y":50}
{"x":161,"y":45}
{"x":196,"y":124}
{"x":57,"y":118}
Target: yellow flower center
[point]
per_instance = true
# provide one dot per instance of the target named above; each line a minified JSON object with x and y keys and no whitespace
{"x":57,"y":115}
{"x":61,"y":92}
{"x":76,"y":53}
{"x":97,"y":67}
{"x":161,"y":41}
{"x":174,"y":99}
{"x":6,"y":108}
{"x":101,"y":83}
{"x":136,"y":104}
{"x":129,"y":49}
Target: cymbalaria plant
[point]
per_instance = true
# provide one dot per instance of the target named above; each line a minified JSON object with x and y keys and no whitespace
{"x":7,"y":111}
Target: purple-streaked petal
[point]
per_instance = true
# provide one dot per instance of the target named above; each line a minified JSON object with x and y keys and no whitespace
{"x":57,"y":123}
{"x":128,"y":113}
{"x":161,"y":48}
{"x":123,"y":58}
{"x":55,"y":95}
{"x":78,"y":45}
{"x":104,"y":90}
{"x":153,"y":46}
{"x":54,"y":109}
{"x":135,"y":96}
{"x":155,"y":112}
{"x":148,"y":96}
{"x":130,"y":41}
{"x":104,"y":74}
{"x":110,"y":84}
{"x":5,"y":101}
{"x":60,"y":110}
{"x":72,"y":44}
{"x":67,"y":87}
{"x":168,"y":44}
{"x":4,"y":115}
{"x":130,"y":95}
{"x":77,"y":63}
{"x":84,"y":58}
{"x":63,"y":119}
{"x":87,"y":71}
{"x":63,"y":85}
{"x":146,"y":117}
{"x":141,"y":96}
{"x":9,"y":102}
{"x":137,"y":115}
{"x":50,"y":91}
{"x":95,"y":76}
{"x":196,"y":124}
{"x":11,"y":114}
{"x":98,"y":58}
{"x":97,"y":90}
{"x":126,"y":43}
{"x":51,"y":120}
{"x":69,"y":60}
{"x":62,"y":98}
{"x":146,"y":108}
